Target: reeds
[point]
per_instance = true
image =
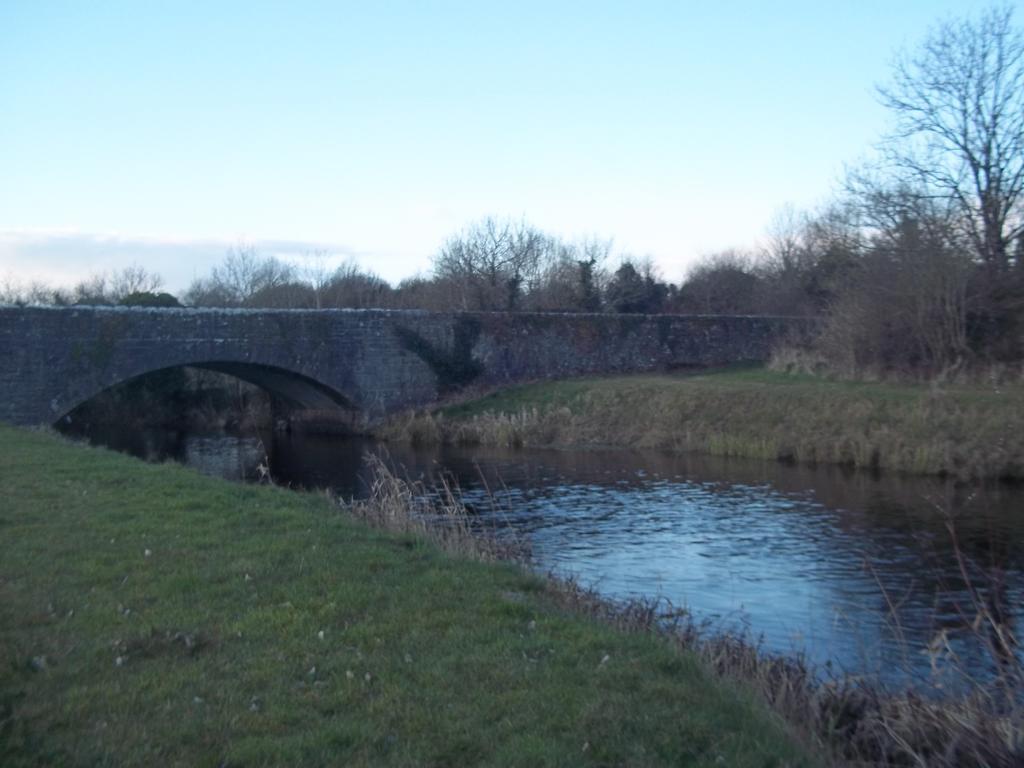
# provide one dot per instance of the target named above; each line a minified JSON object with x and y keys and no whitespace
{"x":965,"y":432}
{"x":436,"y":514}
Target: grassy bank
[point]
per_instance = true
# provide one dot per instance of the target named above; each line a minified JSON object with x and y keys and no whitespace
{"x":152,"y":615}
{"x":971,"y":432}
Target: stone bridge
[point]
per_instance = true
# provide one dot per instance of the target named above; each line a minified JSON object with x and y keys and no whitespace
{"x":368,"y":363}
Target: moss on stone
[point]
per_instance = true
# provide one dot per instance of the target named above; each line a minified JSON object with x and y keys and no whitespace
{"x":453,"y":368}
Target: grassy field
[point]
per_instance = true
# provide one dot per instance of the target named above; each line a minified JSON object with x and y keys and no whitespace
{"x":970,"y":432}
{"x":150,"y":615}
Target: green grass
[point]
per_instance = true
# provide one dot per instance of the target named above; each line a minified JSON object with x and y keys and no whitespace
{"x":970,"y":432}
{"x":150,"y":615}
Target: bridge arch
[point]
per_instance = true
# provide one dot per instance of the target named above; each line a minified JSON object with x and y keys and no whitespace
{"x":291,"y":388}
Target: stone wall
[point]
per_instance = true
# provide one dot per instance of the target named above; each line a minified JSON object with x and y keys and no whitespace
{"x":371,"y":361}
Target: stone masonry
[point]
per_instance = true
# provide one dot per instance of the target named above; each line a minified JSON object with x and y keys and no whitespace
{"x":372,"y":362}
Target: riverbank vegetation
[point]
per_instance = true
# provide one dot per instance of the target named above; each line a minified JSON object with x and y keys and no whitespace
{"x":967,"y":431}
{"x":152,"y":615}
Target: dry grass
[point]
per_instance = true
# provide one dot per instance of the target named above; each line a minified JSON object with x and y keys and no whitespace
{"x":437,"y":514}
{"x":971,"y":432}
{"x":807,"y":361}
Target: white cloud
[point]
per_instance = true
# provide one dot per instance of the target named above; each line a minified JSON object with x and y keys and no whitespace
{"x":63,"y":257}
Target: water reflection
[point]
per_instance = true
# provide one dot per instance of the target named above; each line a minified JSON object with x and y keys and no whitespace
{"x":219,"y":455}
{"x":232,"y":458}
{"x":856,"y":570}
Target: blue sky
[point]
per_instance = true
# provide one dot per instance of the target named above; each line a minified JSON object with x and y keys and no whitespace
{"x":163,"y":133}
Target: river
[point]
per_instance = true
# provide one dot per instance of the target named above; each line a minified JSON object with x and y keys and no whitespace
{"x":859,"y":572}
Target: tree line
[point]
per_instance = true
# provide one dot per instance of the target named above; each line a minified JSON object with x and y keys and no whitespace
{"x":915,"y":265}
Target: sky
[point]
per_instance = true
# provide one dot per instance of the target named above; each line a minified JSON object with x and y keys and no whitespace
{"x":163,"y":134}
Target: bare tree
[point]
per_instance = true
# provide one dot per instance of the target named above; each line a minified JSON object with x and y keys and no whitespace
{"x":724,"y":283}
{"x":134,"y":279}
{"x":783,"y":250}
{"x":572,"y":277}
{"x":112,"y":287}
{"x":421,"y":292}
{"x":99,"y":288}
{"x":316,"y":274}
{"x":35,"y":292}
{"x":243,"y":278}
{"x":93,"y":290}
{"x":958,"y":103}
{"x":786,"y":265}
{"x":902,"y":301}
{"x":493,"y":263}
{"x":352,"y":287}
